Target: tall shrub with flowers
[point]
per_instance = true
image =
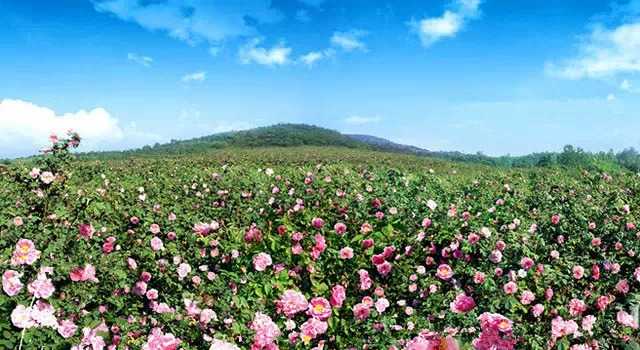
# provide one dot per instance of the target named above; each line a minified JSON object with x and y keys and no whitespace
{"x":256,"y":251}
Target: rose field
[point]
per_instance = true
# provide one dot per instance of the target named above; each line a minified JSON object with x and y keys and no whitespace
{"x":314,"y":248}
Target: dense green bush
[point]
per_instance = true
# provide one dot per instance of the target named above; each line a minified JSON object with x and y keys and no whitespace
{"x":247,"y":248}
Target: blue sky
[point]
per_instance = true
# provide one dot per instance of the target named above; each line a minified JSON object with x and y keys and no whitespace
{"x":469,"y":75}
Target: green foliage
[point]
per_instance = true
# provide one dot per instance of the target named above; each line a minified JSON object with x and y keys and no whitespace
{"x":233,"y":187}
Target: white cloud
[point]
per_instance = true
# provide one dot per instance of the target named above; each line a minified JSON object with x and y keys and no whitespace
{"x":433,"y":29}
{"x":142,"y":60}
{"x":313,"y":57}
{"x":606,"y":51}
{"x":276,"y":56}
{"x":197,"y":76}
{"x":625,"y":85}
{"x":611,"y":97}
{"x":194,"y":20}
{"x":360,"y":120}
{"x":349,"y":41}
{"x":26,"y":127}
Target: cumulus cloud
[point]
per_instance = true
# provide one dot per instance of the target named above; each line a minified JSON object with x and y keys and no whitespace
{"x":606,"y":51}
{"x":349,"y":41}
{"x":433,"y":29}
{"x":344,"y":41}
{"x":194,"y":21}
{"x":313,"y":57}
{"x":627,"y":86}
{"x":26,"y":127}
{"x":139,"y":59}
{"x":197,"y":76}
{"x":277,"y":55}
{"x":361,"y":120}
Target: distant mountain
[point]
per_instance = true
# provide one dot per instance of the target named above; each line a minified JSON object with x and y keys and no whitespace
{"x":279,"y":135}
{"x":285,"y":135}
{"x":294,"y":135}
{"x":386,"y":145}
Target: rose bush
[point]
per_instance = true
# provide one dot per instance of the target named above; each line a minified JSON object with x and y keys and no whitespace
{"x":247,"y":251}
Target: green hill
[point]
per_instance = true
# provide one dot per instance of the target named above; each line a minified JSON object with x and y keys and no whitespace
{"x":279,"y":135}
{"x":298,"y":135}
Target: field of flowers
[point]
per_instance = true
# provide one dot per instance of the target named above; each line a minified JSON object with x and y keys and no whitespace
{"x":309,"y":248}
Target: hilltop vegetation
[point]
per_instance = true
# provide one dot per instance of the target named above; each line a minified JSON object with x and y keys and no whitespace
{"x":297,"y":135}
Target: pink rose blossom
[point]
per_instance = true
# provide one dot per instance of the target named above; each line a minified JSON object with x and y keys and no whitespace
{"x":578,"y":272}
{"x":346,"y":253}
{"x":312,"y":328}
{"x":462,"y":304}
{"x":67,"y":329}
{"x":444,"y":272}
{"x":158,"y":340}
{"x":88,"y":273}
{"x":381,"y":305}
{"x":338,"y":295}
{"x":41,"y":287}
{"x":317,"y":223}
{"x":86,"y":230}
{"x":626,"y":319}
{"x":261,"y":261}
{"x":11,"y":283}
{"x":266,"y":331}
{"x":319,"y":308}
{"x":291,"y":302}
{"x":184,"y":270}
{"x":156,"y":244}
{"x":527,"y":297}
{"x":510,"y":288}
{"x":361,"y":311}
{"x":537,"y":310}
{"x":154,"y":228}
{"x":340,"y":228}
{"x":577,"y":307}
{"x":25,"y":253}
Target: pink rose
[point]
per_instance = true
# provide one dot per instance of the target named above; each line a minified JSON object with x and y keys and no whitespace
{"x":158,"y":340}
{"x":156,"y":244}
{"x":381,"y":305}
{"x":361,"y":311}
{"x":86,"y":230}
{"x":319,"y":308}
{"x":537,"y":310}
{"x":291,"y":302}
{"x":338,"y":295}
{"x":261,"y":261}
{"x":79,"y":274}
{"x":510,"y":288}
{"x":66,"y":328}
{"x":578,"y":272}
{"x":340,"y":228}
{"x":444,"y":272}
{"x":346,"y":253}
{"x":462,"y":304}
{"x":11,"y":283}
{"x":317,"y":223}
